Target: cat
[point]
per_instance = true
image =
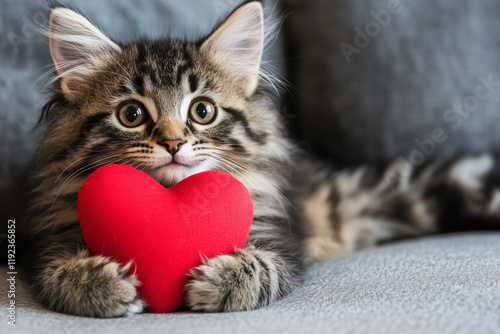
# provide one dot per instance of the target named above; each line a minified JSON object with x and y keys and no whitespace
{"x":173,"y":108}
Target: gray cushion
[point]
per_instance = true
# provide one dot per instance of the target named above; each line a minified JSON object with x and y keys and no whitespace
{"x":442,"y":285}
{"x":399,"y":86}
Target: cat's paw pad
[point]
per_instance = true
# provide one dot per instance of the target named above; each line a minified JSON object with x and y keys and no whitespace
{"x":98,"y":287}
{"x":225,"y":283}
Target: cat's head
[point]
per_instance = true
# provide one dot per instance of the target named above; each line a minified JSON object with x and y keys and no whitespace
{"x":169,"y":107}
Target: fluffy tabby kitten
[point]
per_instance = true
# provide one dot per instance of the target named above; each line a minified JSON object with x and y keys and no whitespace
{"x":174,"y":108}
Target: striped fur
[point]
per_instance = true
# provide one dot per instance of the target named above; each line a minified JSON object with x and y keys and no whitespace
{"x":303,"y":213}
{"x":351,"y":209}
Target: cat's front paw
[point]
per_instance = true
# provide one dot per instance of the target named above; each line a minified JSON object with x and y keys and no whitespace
{"x":237,"y":282}
{"x":95,"y":287}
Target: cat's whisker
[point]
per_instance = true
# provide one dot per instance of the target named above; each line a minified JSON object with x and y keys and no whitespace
{"x":76,"y":174}
{"x":96,"y":162}
{"x":122,"y":67}
{"x":118,"y":74}
{"x":49,"y":72}
{"x":225,"y":164}
{"x":137,"y":165}
{"x":219,"y":159}
{"x":221,"y":167}
{"x":282,"y":195}
{"x":255,"y":174}
{"x":278,"y":195}
{"x":71,"y":164}
{"x":227,"y":151}
{"x":73,"y":69}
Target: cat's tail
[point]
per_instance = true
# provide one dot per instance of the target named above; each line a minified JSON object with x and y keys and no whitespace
{"x":356,"y":208}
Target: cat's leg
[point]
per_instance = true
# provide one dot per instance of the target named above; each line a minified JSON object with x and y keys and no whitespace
{"x":70,"y":280}
{"x":66,"y":277}
{"x":268,"y":268}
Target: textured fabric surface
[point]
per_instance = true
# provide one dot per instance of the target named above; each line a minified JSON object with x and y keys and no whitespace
{"x":443,"y":285}
{"x":402,"y":81}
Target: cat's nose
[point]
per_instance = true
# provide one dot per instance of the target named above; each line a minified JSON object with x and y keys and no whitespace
{"x":172,"y":145}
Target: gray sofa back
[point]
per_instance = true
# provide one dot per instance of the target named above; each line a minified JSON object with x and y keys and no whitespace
{"x":376,"y":79}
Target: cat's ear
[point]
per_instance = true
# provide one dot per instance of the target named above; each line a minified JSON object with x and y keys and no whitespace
{"x":76,"y":46}
{"x":238,"y":43}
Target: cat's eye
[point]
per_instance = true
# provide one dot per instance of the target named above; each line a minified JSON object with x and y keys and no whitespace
{"x":132,"y":114}
{"x":202,"y":111}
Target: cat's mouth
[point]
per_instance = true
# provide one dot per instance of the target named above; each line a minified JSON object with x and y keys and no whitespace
{"x":171,"y":164}
{"x":177,"y":164}
{"x":171,"y":172}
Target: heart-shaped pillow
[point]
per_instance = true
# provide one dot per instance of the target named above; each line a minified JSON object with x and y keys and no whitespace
{"x":125,"y":214}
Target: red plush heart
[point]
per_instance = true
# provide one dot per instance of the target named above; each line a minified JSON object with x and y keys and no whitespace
{"x":125,"y":214}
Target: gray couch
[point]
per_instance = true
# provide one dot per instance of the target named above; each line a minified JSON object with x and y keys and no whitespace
{"x":445,"y":285}
{"x":380,"y":102}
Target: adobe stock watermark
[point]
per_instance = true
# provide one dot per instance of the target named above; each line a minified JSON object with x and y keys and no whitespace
{"x":286,"y":117}
{"x":203,"y":196}
{"x":223,"y":5}
{"x":4,"y":88}
{"x":454,"y":118}
{"x":28,"y":31}
{"x":11,"y":272}
{"x":373,"y":28}
{"x":249,"y":326}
